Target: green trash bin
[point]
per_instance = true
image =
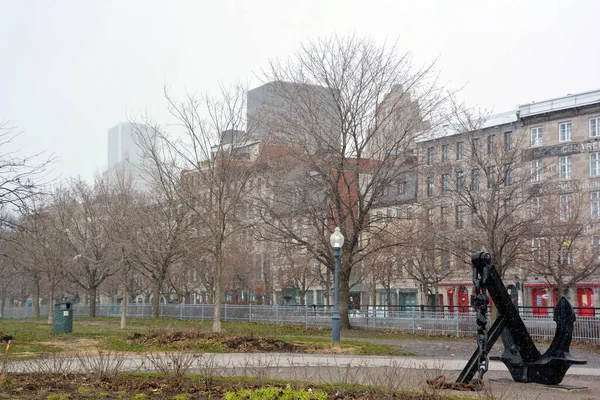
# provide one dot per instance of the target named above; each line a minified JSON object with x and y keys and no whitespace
{"x":63,"y":318}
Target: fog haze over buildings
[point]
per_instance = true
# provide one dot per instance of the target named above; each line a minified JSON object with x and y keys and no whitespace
{"x":70,"y":70}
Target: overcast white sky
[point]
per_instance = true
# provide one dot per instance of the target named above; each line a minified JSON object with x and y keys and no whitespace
{"x":69,"y":70}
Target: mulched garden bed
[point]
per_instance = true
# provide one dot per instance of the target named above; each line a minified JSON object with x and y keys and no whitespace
{"x":228,"y":343}
{"x":148,"y":386}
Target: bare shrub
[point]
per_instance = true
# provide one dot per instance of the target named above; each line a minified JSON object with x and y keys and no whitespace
{"x":177,"y":364}
{"x":258,"y":366}
{"x":50,"y":363}
{"x":105,"y":365}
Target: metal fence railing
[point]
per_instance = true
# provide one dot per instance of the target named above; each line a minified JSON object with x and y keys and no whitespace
{"x":414,"y":320}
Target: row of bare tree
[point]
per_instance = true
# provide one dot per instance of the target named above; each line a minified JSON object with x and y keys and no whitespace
{"x":245,"y":199}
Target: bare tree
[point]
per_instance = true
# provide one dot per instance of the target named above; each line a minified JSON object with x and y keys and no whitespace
{"x":486,"y":188}
{"x":8,"y":270}
{"x":121,"y":202}
{"x":215,"y":155}
{"x":82,"y":219}
{"x":299,"y":270}
{"x":430,"y":259}
{"x":349,"y":110}
{"x":20,"y":176}
{"x":164,"y":220}
{"x":560,"y":239}
{"x":42,"y":244}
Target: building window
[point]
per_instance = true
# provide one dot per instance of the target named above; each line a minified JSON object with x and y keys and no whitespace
{"x":491,"y":144}
{"x":594,"y":164}
{"x":536,"y":136}
{"x":446,"y":260}
{"x":460,"y":181}
{"x":508,"y":142}
{"x":564,"y":131}
{"x":536,"y":170}
{"x":409,"y":267}
{"x":400,"y":267}
{"x":491,"y":176}
{"x":536,"y":207}
{"x":474,"y":218}
{"x":460,"y":222}
{"x":596,"y":245}
{"x":595,"y":204}
{"x":444,"y":214}
{"x":445,"y":184}
{"x":460,"y":149}
{"x":401,"y":188}
{"x":507,"y":207}
{"x":476,"y":146}
{"x":430,"y":154}
{"x":565,"y":167}
{"x":445,"y":152}
{"x":475,"y":179}
{"x":566,"y":205}
{"x":429,"y":215}
{"x":536,"y":248}
{"x":565,"y":256}
{"x":508,"y":172}
{"x":595,"y":127}
{"x":429,"y":186}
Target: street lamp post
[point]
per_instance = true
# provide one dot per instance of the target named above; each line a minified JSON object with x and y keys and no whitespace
{"x":337,"y":241}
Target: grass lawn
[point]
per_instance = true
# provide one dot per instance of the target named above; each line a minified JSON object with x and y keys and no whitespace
{"x":34,"y":336}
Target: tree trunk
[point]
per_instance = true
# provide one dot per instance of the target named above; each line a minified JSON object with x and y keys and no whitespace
{"x":373,"y":295}
{"x":36,"y":297}
{"x":50,"y":304}
{"x":92,"y":292}
{"x":156,"y":298}
{"x":327,"y":287}
{"x":266,"y":268}
{"x":2,"y":302}
{"x":124,"y":304}
{"x":217,"y":312}
{"x":344,"y":292}
{"x":424,"y":294}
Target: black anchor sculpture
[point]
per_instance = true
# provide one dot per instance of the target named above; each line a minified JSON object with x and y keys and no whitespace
{"x":521,"y":356}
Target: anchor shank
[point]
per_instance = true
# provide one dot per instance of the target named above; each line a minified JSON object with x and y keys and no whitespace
{"x":514,"y":324}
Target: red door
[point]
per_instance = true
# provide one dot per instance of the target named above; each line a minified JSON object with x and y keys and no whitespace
{"x":585,"y":297}
{"x":539,"y":299}
{"x":463,"y":300}
{"x":450,"y":293}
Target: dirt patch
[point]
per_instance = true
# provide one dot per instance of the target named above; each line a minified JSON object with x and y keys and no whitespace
{"x":75,"y":345}
{"x":5,"y":338}
{"x":82,"y":386}
{"x":227,"y":343}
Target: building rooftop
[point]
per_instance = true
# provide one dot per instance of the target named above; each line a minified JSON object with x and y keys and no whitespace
{"x":447,"y":130}
{"x":559,"y":103}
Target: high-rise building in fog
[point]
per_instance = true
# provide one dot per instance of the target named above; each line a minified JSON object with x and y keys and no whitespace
{"x":121,"y":146}
{"x":125,"y":156}
{"x":296,"y":114}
